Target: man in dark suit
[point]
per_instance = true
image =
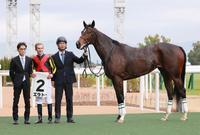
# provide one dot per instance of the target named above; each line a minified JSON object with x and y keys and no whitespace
{"x":64,"y":78}
{"x":20,"y":72}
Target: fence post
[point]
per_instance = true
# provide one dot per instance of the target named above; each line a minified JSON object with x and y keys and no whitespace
{"x":1,"y":92}
{"x":102,"y":81}
{"x":125,"y":87}
{"x":146,"y":87}
{"x":191,"y":81}
{"x":150,"y":83}
{"x":98,"y":90}
{"x":157,"y":93}
{"x":141,"y":92}
{"x":78,"y":81}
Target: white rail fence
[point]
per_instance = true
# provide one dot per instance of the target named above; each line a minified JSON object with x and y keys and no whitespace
{"x":145,"y":85}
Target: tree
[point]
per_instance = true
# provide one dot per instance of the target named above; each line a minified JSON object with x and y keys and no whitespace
{"x":5,"y":63}
{"x":194,"y":54}
{"x":151,"y":40}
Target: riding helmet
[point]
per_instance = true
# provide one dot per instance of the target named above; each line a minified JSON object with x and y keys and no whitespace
{"x":61,"y":39}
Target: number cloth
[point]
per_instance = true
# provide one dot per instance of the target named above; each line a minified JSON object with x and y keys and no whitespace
{"x":40,"y":84}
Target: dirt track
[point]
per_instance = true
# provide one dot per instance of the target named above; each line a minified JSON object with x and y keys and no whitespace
{"x":85,"y":103}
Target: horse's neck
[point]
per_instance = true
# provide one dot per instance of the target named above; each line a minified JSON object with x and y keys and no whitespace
{"x":103,"y":46}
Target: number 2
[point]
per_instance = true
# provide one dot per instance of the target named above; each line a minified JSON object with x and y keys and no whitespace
{"x":39,"y":87}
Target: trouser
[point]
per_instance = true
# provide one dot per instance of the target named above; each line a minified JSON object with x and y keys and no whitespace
{"x":48,"y":100}
{"x":39,"y":109}
{"x":25,"y":86}
{"x":69,"y":100}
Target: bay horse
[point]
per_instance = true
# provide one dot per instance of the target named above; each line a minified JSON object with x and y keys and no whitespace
{"x":122,"y":62}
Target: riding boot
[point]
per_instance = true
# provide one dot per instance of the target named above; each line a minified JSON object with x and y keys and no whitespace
{"x":39,"y":109}
{"x":49,"y":113}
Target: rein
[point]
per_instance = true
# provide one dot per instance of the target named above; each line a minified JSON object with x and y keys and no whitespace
{"x":88,"y":62}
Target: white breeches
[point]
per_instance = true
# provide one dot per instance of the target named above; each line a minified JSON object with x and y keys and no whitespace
{"x":47,"y":99}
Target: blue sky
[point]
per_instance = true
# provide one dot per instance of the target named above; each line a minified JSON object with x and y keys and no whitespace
{"x":177,"y":19}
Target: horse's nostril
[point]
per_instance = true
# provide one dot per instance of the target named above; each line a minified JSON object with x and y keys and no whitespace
{"x":77,"y":44}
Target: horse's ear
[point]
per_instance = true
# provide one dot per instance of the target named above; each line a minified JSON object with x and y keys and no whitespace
{"x":93,"y":24}
{"x":84,"y":24}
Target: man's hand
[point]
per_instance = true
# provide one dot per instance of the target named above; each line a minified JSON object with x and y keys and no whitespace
{"x":33,"y":75}
{"x":49,"y":76}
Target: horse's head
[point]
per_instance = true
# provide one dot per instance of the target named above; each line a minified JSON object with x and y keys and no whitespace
{"x":87,"y":35}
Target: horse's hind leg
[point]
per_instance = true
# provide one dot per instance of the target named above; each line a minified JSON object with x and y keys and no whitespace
{"x":118,"y":85}
{"x":169,"y":87}
{"x":182,"y":93}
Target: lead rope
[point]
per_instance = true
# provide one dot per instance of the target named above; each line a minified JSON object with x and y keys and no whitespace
{"x":84,"y":74}
{"x":88,"y":61}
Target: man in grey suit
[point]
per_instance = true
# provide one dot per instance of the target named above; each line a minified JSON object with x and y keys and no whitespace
{"x":20,"y":72}
{"x":64,"y":78}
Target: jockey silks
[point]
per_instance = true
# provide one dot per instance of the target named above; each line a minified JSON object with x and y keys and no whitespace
{"x":43,"y":63}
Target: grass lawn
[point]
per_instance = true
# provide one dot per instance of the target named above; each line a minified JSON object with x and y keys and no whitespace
{"x":135,"y":124}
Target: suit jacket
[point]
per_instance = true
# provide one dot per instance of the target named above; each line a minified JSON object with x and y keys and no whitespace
{"x":17,"y":72}
{"x":65,"y":72}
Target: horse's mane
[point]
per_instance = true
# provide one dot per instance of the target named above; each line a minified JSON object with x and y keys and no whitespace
{"x":113,"y":41}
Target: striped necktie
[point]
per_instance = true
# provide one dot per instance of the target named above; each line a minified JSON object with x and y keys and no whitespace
{"x":23,"y":62}
{"x":63,"y":57}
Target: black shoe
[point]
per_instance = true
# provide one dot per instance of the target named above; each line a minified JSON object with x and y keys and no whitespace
{"x":57,"y":121}
{"x":70,"y":121}
{"x":39,"y":121}
{"x":27,"y":122}
{"x":50,"y":121}
{"x":15,"y":122}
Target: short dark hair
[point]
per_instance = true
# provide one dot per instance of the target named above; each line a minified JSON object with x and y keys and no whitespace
{"x":38,"y":44}
{"x":21,"y":44}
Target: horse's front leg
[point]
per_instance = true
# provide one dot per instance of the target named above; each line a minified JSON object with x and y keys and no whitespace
{"x":118,"y":85}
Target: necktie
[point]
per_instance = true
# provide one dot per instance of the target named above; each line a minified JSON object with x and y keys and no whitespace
{"x":23,"y":62}
{"x":63,"y":57}
{"x":23,"y":65}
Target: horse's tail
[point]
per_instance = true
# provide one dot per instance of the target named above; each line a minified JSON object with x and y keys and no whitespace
{"x":176,"y":91}
{"x":184,"y":67}
{"x":177,"y":94}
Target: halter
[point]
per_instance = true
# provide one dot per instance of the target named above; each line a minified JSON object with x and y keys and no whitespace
{"x":86,"y":42}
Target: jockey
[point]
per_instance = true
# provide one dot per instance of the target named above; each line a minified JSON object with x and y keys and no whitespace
{"x":43,"y":63}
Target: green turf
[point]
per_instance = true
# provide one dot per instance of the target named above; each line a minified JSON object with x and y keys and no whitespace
{"x":135,"y":124}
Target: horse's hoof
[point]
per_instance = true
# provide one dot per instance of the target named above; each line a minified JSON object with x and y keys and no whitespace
{"x":165,"y":117}
{"x":120,"y":121}
{"x":184,"y":117}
